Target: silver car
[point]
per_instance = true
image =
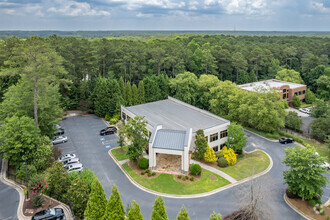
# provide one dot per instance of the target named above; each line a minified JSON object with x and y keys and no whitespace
{"x":71,"y":161}
{"x":60,"y":139}
{"x":66,"y":156}
{"x":76,"y":167}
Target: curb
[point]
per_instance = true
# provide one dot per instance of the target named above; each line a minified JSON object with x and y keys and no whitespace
{"x":18,"y":188}
{"x":248,"y":131}
{"x":195,"y":195}
{"x":295,"y":209}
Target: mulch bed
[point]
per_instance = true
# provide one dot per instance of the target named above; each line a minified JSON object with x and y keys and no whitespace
{"x":304,"y":207}
{"x":122,"y":151}
{"x":29,"y":210}
{"x":189,"y":175}
{"x":138,"y":171}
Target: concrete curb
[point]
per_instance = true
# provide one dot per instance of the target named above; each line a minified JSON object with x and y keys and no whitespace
{"x":248,"y":131}
{"x":195,"y":195}
{"x":295,"y":209}
{"x":19,"y":189}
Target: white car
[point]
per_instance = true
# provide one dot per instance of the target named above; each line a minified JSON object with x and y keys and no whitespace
{"x":305,"y":110}
{"x":76,"y":167}
{"x":60,"y":139}
{"x":66,"y":156}
{"x":326,"y":165}
{"x":71,"y":161}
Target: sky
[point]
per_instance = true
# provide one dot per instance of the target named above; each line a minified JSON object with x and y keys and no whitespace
{"x":247,"y":15}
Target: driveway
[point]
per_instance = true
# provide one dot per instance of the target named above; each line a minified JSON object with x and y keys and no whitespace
{"x":9,"y":200}
{"x":84,"y":140}
{"x":306,"y":119}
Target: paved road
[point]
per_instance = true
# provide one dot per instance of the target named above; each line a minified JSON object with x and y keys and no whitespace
{"x":306,"y":119}
{"x":9,"y":199}
{"x":84,"y":140}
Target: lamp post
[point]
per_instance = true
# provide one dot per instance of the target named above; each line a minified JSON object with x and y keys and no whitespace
{"x":26,"y":180}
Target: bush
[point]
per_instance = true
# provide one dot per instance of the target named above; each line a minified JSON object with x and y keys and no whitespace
{"x":116,"y":117}
{"x":147,"y":171}
{"x":21,"y":172}
{"x":291,"y":195}
{"x":195,"y":169}
{"x":209,"y":155}
{"x":143,"y":172}
{"x":312,"y":202}
{"x":186,"y":177}
{"x":143,"y":163}
{"x":113,"y":121}
{"x":153,"y":174}
{"x":222,"y":162}
{"x":179,"y":176}
{"x":149,"y":174}
{"x":229,"y":155}
{"x":37,"y":200}
{"x":56,"y":152}
{"x":219,"y":154}
{"x":192,"y":178}
{"x":107,"y":117}
{"x":322,"y":212}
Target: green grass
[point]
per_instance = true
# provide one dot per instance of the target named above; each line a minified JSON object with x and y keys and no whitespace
{"x":304,"y":105}
{"x":165,"y":183}
{"x":251,"y":164}
{"x":119,"y":155}
{"x":273,"y":136}
{"x":322,"y":149}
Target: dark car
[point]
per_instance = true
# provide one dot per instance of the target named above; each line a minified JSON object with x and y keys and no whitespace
{"x":286,"y":140}
{"x":59,"y":132}
{"x":49,"y":214}
{"x":108,"y":130}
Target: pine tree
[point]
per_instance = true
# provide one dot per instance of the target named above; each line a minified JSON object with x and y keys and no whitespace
{"x":201,"y":144}
{"x":209,"y":155}
{"x":97,"y":202}
{"x":134,"y":213}
{"x":159,"y":212}
{"x":141,"y":93}
{"x":128,"y":94}
{"x":115,"y":97}
{"x":135,"y":95}
{"x":183,"y":214}
{"x":215,"y":216}
{"x":102,"y":97}
{"x":122,"y":86}
{"x":115,"y":209}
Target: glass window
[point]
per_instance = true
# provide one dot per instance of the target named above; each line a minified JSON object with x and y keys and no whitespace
{"x":207,"y":138}
{"x":215,"y":148}
{"x":284,"y":95}
{"x":284,"y":90}
{"x":296,"y":93}
{"x":303,"y":91}
{"x":124,"y":116}
{"x":222,"y":145}
{"x":213,"y":137}
{"x":223,"y":134}
{"x":299,"y":92}
{"x":287,"y":95}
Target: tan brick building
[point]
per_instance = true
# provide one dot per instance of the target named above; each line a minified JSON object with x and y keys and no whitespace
{"x":287,"y":90}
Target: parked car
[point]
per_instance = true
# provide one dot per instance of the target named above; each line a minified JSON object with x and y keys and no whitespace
{"x":66,"y":156}
{"x":76,"y":167}
{"x":286,"y":140}
{"x":50,"y":214}
{"x":71,"y":161}
{"x":108,"y":130}
{"x":58,"y":126}
{"x":60,"y":139}
{"x":59,"y":132}
{"x":326,"y":165}
{"x":305,"y":110}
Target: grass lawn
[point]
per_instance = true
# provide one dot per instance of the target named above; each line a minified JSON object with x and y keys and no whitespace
{"x":272,"y":136}
{"x":165,"y":183}
{"x":251,"y":164}
{"x":322,"y":149}
{"x":120,"y":155}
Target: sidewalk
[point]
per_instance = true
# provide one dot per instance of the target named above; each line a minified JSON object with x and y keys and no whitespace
{"x":214,"y":170}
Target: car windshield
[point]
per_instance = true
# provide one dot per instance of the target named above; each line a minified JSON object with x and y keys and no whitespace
{"x":52,"y":211}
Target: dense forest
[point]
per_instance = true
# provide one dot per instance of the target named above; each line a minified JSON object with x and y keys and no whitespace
{"x":101,"y":74}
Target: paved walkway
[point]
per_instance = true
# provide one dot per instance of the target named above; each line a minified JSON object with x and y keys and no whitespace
{"x":215,"y":170}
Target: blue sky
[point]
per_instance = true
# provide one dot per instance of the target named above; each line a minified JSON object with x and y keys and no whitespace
{"x":252,"y":15}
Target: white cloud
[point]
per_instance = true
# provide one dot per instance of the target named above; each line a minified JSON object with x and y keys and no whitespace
{"x":135,"y":4}
{"x":73,"y":8}
{"x":319,"y":6}
{"x":250,"y":7}
{"x":142,"y":15}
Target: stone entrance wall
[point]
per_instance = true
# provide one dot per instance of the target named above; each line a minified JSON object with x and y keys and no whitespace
{"x":167,"y":163}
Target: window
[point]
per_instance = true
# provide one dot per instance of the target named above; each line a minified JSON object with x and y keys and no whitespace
{"x":213,"y":137}
{"x":223,"y":134}
{"x":287,"y":95}
{"x":207,"y":138}
{"x":284,"y":95}
{"x":284,"y":90}
{"x":303,"y":91}
{"x":222,"y":145}
{"x":215,"y":148}
{"x":299,"y":92}
{"x":296,"y":93}
{"x":124,"y":116}
{"x":128,"y":118}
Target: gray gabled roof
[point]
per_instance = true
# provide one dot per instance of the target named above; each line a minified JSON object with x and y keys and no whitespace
{"x":170,"y":139}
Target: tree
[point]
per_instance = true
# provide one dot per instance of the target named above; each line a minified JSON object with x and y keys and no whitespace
{"x":236,"y":137}
{"x":97,"y":202}
{"x":215,"y":216}
{"x":184,"y":87}
{"x":86,"y":175}
{"x":159,"y":212}
{"x":122,"y":86}
{"x":293,"y":121}
{"x":78,"y":196}
{"x":151,"y":88}
{"x":229,"y":155}
{"x":319,"y":109}
{"x":102,"y":98}
{"x":240,"y":66}
{"x":134,"y":213}
{"x":313,"y":75}
{"x":115,"y":208}
{"x":304,"y":176}
{"x":323,"y":85}
{"x":289,"y":76}
{"x":135,"y":95}
{"x":200,"y":144}
{"x":296,"y":101}
{"x":183,"y":214}
{"x":58,"y":180}
{"x":39,"y":64}
{"x":137,"y":133}
{"x":205,"y":82}
{"x":19,"y":138}
{"x":128,"y":94}
{"x":141,"y":93}
{"x":115,"y":96}
{"x":273,"y":68}
{"x":209,"y":155}
{"x":310,"y":97}
{"x":321,"y":127}
{"x":121,"y":136}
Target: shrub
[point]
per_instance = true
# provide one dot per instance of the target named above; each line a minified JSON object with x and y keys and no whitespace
{"x":147,"y":171}
{"x":37,"y":200}
{"x":192,"y":178}
{"x":312,"y":202}
{"x":229,"y":155}
{"x":209,"y":155}
{"x":222,"y":162}
{"x":107,"y":117}
{"x":219,"y":154}
{"x":149,"y":174}
{"x":143,"y":163}
{"x":179,"y":176}
{"x":113,"y":121}
{"x":296,"y":101}
{"x":195,"y":169}
{"x":186,"y":177}
{"x":56,"y":152}
{"x":291,"y":195}
{"x":143,"y":172}
{"x":21,"y":172}
{"x":153,"y":174}
{"x":322,"y":212}
{"x":116,"y":117}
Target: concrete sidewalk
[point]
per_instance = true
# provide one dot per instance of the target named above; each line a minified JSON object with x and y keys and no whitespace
{"x":215,"y":170}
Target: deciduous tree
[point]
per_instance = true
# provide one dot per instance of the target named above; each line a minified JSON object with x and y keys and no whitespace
{"x":236,"y":137}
